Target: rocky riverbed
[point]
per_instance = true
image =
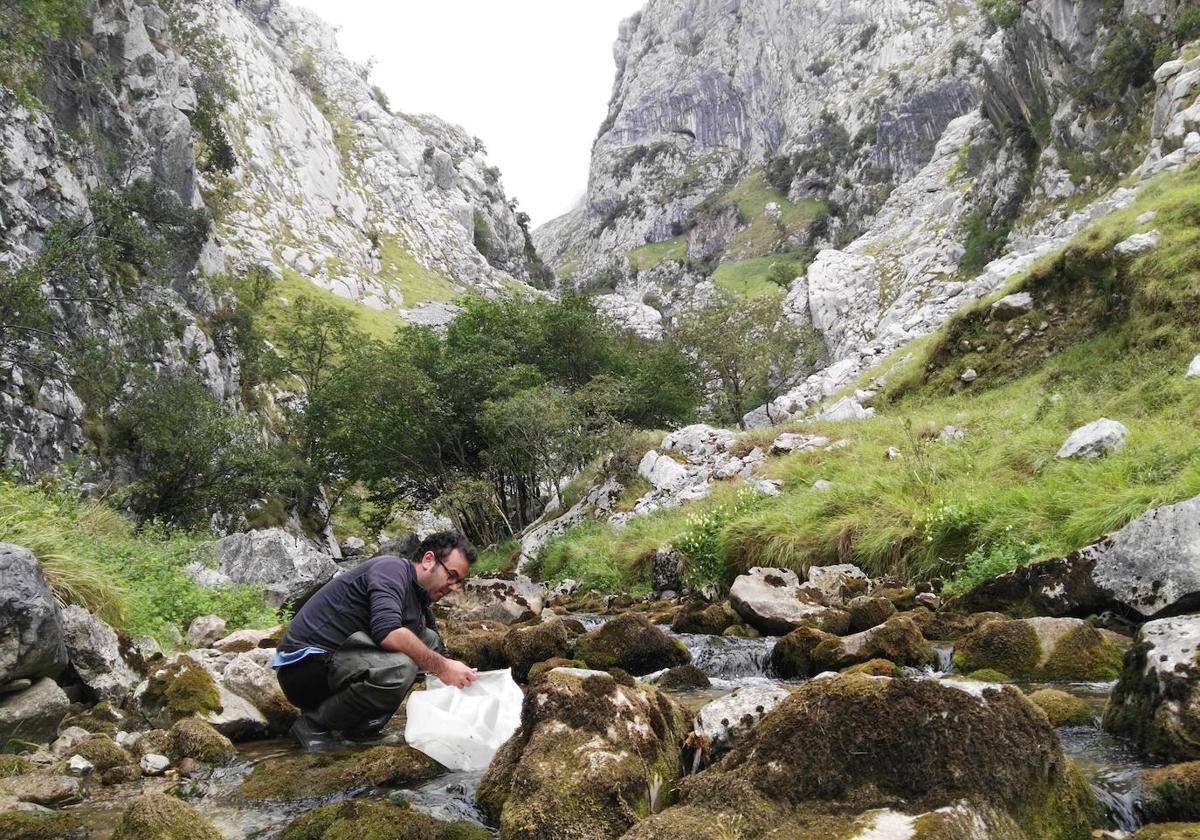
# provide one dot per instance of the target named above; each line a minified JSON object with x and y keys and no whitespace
{"x":831,"y":706}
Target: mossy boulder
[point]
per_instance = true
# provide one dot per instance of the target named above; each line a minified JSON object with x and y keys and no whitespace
{"x":867,"y":611}
{"x":948,"y":625}
{"x":368,"y":820}
{"x":711,"y":620}
{"x":631,"y":643}
{"x":898,"y":640}
{"x":526,"y":646}
{"x":1156,"y":701}
{"x":990,"y":675}
{"x":102,"y":718}
{"x":875,"y":668}
{"x":480,"y":644}
{"x":162,"y":817}
{"x":592,"y":757}
{"x":178,"y":689}
{"x":317,"y":775}
{"x":1061,"y":708}
{"x":103,"y":752}
{"x":849,"y":743}
{"x":1172,"y":792}
{"x":193,"y":738}
{"x":792,"y":656}
{"x":1041,"y":648}
{"x":152,"y":741}
{"x":41,"y":825}
{"x":684,"y":678}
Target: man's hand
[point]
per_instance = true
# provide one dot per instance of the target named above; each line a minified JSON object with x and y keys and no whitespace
{"x":457,"y":674}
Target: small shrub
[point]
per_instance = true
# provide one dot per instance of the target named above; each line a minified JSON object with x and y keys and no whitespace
{"x":482,"y":234}
{"x":986,"y":562}
{"x":1187,"y":24}
{"x":702,"y":544}
{"x":381,"y":98}
{"x":1002,"y":13}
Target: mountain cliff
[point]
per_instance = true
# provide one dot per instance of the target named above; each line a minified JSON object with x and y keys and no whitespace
{"x":153,"y":151}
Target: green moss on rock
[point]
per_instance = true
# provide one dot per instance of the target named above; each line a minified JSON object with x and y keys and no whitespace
{"x":15,"y":765}
{"x":183,"y":688}
{"x":1172,"y":792}
{"x":990,"y":675}
{"x":1084,"y":653}
{"x":41,"y":825}
{"x":1008,"y":646}
{"x":875,"y":668}
{"x":631,"y":643}
{"x":1169,"y":831}
{"x":526,"y":646}
{"x":304,"y":776}
{"x":360,"y":819}
{"x":684,"y":678}
{"x":1061,"y":708}
{"x":103,"y":752}
{"x":480,"y":644}
{"x":793,"y":655}
{"x":193,"y":738}
{"x":711,"y":620}
{"x":550,"y":664}
{"x":156,"y":816}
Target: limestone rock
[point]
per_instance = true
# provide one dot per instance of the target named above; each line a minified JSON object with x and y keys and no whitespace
{"x":727,"y":720}
{"x":1193,"y":370}
{"x":50,"y":791}
{"x":204,"y":630}
{"x":153,"y":764}
{"x":257,"y":684}
{"x":662,"y":471}
{"x":631,"y":643}
{"x":837,"y":583}
{"x":1157,"y":698}
{"x":1138,"y":243}
{"x":95,"y":653}
{"x":1012,"y":306}
{"x":867,"y":612}
{"x":34,"y":713}
{"x":897,"y":640}
{"x":590,"y":756}
{"x":290,"y":569}
{"x":31,"y":634}
{"x":772,"y":602}
{"x":241,"y":641}
{"x":508,"y":598}
{"x":1094,"y":439}
{"x":1151,"y":566}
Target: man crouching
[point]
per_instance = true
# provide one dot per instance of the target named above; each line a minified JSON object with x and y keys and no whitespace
{"x":353,"y":651}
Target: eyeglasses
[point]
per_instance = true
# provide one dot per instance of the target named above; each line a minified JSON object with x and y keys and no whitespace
{"x":451,"y":574}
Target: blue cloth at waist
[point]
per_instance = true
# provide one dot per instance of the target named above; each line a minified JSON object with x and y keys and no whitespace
{"x":279,"y":659}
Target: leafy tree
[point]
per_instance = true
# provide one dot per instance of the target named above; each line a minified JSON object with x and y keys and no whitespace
{"x":26,"y":27}
{"x":748,"y":350}
{"x":193,"y":456}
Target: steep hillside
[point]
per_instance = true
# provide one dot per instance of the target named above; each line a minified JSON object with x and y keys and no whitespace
{"x":154,"y":155}
{"x":896,"y":149}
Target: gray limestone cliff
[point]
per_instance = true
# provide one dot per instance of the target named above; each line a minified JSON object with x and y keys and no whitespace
{"x":237,"y":136}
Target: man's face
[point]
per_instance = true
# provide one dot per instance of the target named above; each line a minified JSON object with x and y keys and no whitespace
{"x":441,"y":577}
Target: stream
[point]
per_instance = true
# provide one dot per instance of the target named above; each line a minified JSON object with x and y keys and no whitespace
{"x":1109,"y":765}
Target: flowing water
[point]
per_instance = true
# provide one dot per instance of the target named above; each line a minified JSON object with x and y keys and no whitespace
{"x":1108,"y":763}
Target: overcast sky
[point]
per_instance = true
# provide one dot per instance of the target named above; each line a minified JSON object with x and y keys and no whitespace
{"x":531,"y":78}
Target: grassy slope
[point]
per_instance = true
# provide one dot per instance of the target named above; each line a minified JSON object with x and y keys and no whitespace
{"x":1120,"y":335}
{"x":95,"y":557}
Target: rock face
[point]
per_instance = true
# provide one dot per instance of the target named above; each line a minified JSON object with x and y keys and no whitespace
{"x":772,"y":602}
{"x":31,"y":634}
{"x":921,"y":742}
{"x":287,"y":567}
{"x":1150,"y":567}
{"x":592,"y":756}
{"x":96,"y":655}
{"x":1157,"y":699}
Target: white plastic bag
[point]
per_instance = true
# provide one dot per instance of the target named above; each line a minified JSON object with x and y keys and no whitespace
{"x":463,"y":728}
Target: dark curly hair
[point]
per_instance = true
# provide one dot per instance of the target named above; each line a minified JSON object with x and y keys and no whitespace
{"x":441,"y":543}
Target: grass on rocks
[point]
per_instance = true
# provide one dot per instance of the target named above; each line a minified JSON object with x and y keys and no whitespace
{"x":94,"y":557}
{"x":1119,"y":335}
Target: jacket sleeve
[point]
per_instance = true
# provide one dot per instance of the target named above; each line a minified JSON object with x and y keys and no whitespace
{"x":388,"y":583}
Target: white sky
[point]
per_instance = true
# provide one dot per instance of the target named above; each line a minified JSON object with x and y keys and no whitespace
{"x":531,"y":78}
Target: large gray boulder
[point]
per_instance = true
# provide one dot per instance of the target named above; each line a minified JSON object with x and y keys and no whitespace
{"x":1151,"y":567}
{"x":506,"y":599}
{"x":726,"y":720}
{"x":1093,"y":440}
{"x":289,"y":568}
{"x":95,"y":653}
{"x":31,"y":635}
{"x":32,"y":714}
{"x":772,"y":602}
{"x":1157,"y":699}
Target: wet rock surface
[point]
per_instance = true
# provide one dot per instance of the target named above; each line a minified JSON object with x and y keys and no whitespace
{"x":31,"y":633}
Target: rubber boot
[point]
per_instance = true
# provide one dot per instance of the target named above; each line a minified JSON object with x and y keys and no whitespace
{"x":356,"y":706}
{"x":310,"y":735}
